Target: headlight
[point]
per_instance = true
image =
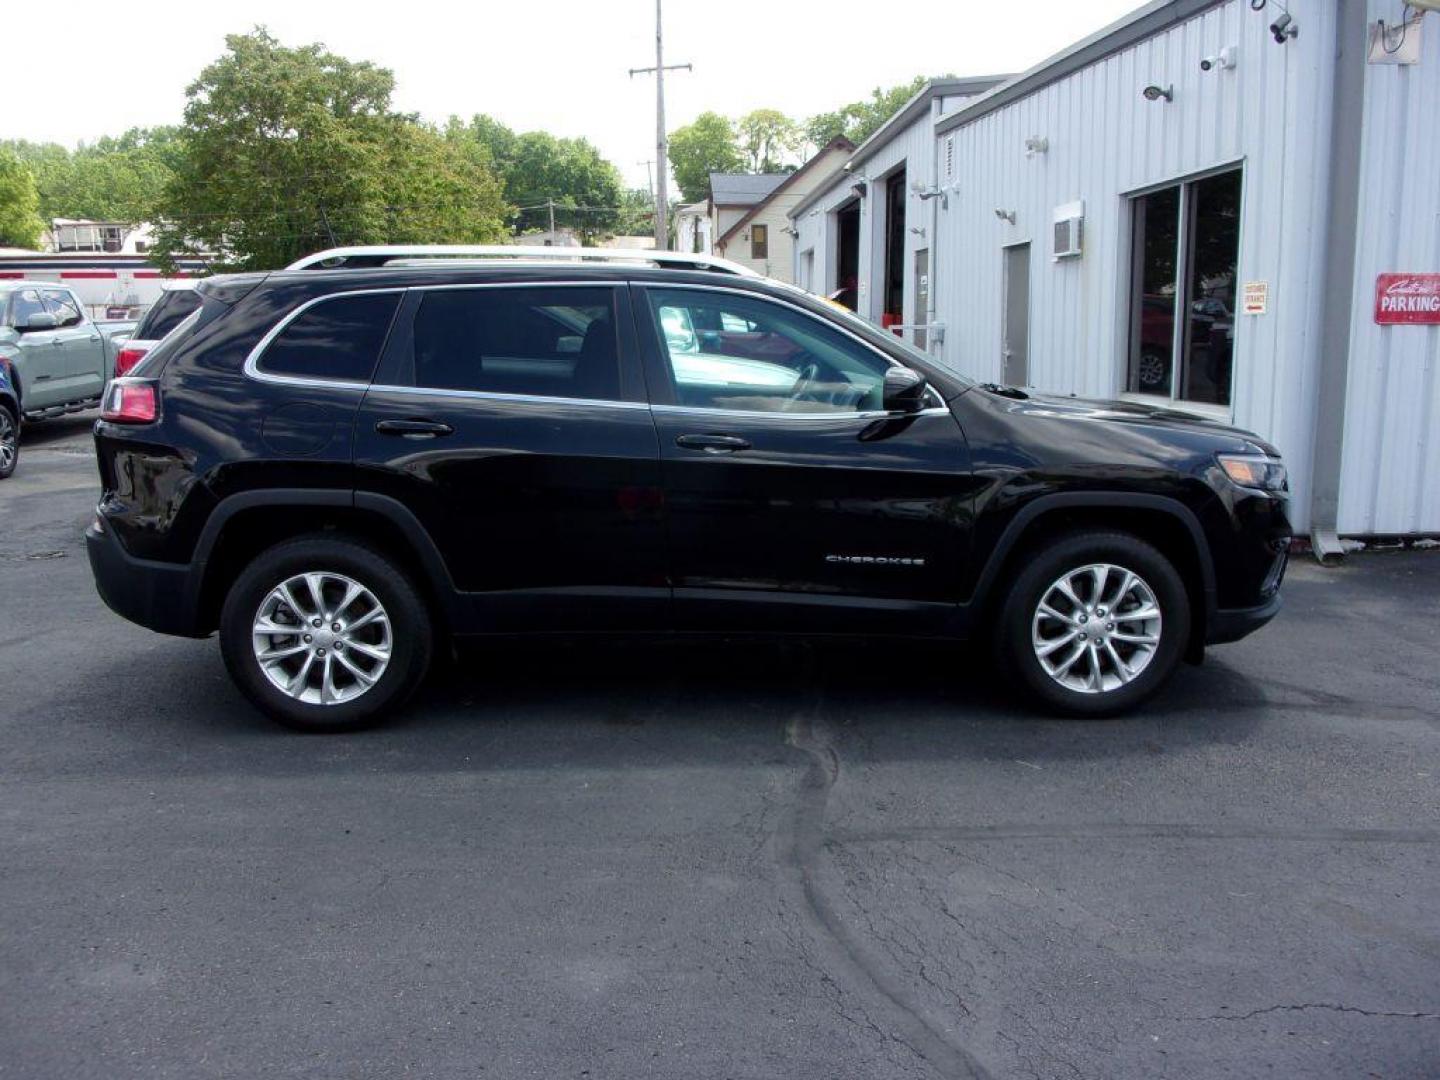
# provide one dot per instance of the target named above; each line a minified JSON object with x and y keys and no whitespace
{"x":1254,"y":471}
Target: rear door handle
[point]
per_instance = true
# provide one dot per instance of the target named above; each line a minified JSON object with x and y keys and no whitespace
{"x":413,"y":429}
{"x":713,"y":444}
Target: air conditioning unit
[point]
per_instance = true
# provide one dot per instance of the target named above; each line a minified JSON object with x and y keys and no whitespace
{"x":1069,"y":230}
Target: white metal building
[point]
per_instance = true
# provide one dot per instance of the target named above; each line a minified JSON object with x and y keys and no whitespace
{"x":863,"y":238}
{"x":1192,"y":207}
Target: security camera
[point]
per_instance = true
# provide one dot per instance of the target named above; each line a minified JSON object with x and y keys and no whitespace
{"x":1283,"y":28}
{"x":1158,"y":93}
{"x":1225,"y":58}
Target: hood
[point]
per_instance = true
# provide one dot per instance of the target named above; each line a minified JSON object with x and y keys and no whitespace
{"x":1130,"y":413}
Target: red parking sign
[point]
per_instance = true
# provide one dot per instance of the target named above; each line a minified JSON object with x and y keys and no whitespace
{"x":1407,"y":298}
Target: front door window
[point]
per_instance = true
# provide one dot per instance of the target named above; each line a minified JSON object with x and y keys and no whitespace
{"x":735,"y":352}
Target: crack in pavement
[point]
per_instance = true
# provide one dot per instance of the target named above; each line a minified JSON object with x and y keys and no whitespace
{"x":1325,"y":1007}
{"x":800,"y":845}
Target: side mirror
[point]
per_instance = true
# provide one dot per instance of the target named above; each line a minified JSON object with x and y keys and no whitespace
{"x":904,"y":390}
{"x":38,"y":320}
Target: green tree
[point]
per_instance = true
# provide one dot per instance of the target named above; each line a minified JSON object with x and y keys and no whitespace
{"x":696,"y":150}
{"x":537,"y":167}
{"x":112,"y":179}
{"x":859,"y":120}
{"x":767,"y":137}
{"x":286,"y":150}
{"x":637,"y":213}
{"x":20,"y":224}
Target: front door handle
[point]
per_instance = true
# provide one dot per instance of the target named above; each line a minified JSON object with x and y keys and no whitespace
{"x":413,"y":429}
{"x":713,"y":444}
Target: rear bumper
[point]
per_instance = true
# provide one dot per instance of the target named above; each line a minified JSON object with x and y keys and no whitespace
{"x":1232,"y":624}
{"x":155,"y":595}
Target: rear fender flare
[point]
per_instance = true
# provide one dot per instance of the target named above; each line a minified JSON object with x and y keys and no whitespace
{"x":430,"y":562}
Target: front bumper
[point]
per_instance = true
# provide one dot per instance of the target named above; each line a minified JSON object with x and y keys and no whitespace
{"x":1232,"y":624}
{"x":156,"y":595}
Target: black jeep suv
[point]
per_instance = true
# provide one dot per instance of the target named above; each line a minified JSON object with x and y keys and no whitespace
{"x":346,"y":465}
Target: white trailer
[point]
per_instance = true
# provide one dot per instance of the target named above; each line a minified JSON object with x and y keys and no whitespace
{"x":109,"y":286}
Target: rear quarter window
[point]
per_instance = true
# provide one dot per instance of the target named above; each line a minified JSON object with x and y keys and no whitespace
{"x":167,"y":313}
{"x":336,"y":338}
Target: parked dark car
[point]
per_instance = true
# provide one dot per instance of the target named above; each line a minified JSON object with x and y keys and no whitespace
{"x":345,"y":466}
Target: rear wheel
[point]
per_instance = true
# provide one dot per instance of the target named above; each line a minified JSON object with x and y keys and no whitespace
{"x":9,"y":442}
{"x":1095,"y":623}
{"x":325,"y":634}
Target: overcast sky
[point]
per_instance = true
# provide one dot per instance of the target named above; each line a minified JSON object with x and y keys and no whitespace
{"x":560,"y":65}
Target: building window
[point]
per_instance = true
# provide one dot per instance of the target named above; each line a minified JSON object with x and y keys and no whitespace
{"x":759,"y":241}
{"x":1186,"y":244}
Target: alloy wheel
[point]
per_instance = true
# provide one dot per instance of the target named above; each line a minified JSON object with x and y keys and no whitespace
{"x":322,"y":638}
{"x":1096,"y":628}
{"x":9,"y":442}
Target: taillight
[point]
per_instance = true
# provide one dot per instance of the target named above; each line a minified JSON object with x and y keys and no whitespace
{"x":131,"y":401}
{"x":128,"y":357}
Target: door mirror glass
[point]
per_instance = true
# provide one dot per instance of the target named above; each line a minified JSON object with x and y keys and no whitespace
{"x":37,"y":320}
{"x":904,"y":390}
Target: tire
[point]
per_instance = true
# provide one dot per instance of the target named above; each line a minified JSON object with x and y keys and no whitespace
{"x":9,"y":441}
{"x":333,"y":695}
{"x":1116,"y":665}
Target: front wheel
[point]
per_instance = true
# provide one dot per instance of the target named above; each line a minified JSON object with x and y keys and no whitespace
{"x":1095,"y":623}
{"x":9,"y":442}
{"x":325,"y":634}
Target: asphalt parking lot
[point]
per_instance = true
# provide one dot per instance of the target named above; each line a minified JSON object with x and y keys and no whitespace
{"x":714,"y":860}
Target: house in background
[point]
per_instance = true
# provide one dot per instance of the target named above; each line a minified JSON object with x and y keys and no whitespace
{"x":692,"y":229}
{"x":762,"y":237}
{"x":733,"y":194}
{"x":67,"y":235}
{"x":561,"y":237}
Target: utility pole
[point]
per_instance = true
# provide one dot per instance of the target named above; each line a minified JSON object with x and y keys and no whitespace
{"x":662,"y":162}
{"x":550,"y":205}
{"x":649,"y":177}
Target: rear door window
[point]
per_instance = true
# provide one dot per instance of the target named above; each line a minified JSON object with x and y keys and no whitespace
{"x":337,"y":339}
{"x":537,"y":341}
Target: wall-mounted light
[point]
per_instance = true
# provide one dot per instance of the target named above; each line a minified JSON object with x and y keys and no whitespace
{"x":1157,"y":93}
{"x":925,"y":193}
{"x":1006,"y":215}
{"x":1036,"y":144}
{"x":861,"y":189}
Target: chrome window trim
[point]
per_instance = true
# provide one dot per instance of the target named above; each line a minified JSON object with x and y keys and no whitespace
{"x":495,"y":395}
{"x":766,"y":297}
{"x":253,"y":370}
{"x":872,"y":414}
{"x":252,"y":360}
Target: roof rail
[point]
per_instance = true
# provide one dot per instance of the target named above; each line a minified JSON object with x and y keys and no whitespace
{"x":354,"y":258}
